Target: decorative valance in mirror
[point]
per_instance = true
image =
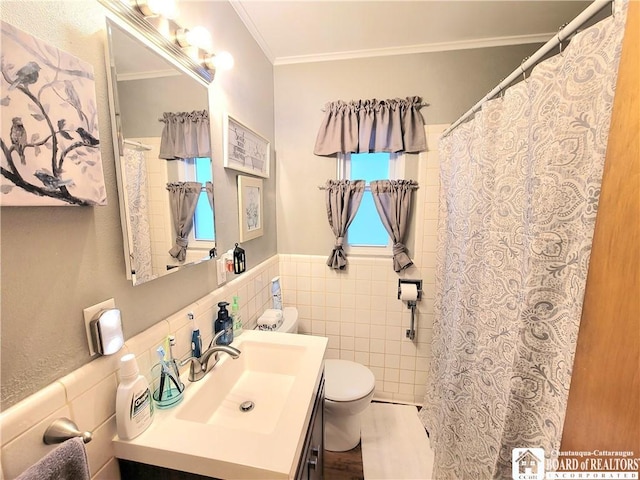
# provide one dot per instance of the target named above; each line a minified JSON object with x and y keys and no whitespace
{"x":154,"y":86}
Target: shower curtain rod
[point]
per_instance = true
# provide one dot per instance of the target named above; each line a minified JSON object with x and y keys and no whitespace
{"x":563,"y":34}
{"x":136,"y":145}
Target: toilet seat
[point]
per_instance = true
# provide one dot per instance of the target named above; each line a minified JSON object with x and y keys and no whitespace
{"x":347,"y":381}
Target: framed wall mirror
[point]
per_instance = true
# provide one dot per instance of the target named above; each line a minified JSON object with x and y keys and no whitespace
{"x":166,"y":201}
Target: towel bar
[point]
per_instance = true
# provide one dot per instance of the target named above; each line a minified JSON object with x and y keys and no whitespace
{"x":63,"y":429}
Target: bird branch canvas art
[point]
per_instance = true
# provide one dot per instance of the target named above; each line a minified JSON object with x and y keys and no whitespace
{"x":49,"y":131}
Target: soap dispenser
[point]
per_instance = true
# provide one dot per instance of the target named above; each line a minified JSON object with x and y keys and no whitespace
{"x":224,"y":322}
{"x":235,"y":317}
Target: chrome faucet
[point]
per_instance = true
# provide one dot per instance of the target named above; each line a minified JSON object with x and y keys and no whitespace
{"x":200,"y":366}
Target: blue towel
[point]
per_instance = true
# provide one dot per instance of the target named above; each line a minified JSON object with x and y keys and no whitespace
{"x":66,"y":462}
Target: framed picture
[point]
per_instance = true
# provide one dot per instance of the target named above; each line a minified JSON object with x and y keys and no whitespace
{"x":244,"y":149}
{"x":250,"y":207}
{"x":49,"y":117}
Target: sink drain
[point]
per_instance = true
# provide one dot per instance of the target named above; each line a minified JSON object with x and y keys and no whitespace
{"x":247,"y":406}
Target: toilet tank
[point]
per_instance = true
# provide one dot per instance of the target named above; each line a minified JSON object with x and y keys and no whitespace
{"x":289,"y":320}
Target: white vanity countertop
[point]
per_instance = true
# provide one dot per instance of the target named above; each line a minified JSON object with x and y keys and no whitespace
{"x":229,"y":448}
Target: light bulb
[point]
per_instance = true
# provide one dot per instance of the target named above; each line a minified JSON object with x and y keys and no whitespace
{"x":223,"y":60}
{"x":200,"y":37}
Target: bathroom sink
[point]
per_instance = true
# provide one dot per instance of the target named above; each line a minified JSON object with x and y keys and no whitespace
{"x":216,"y":432}
{"x":249,"y":392}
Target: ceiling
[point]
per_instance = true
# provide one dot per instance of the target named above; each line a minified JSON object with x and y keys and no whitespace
{"x":314,"y":30}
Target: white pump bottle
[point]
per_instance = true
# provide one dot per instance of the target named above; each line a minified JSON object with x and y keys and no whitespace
{"x":134,"y":406}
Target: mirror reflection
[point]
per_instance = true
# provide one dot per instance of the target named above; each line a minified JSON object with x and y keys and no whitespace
{"x":164,"y":175}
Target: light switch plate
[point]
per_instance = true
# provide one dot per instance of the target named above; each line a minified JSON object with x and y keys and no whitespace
{"x":91,"y":312}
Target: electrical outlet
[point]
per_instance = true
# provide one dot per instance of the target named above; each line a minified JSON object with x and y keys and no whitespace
{"x":90,"y":313}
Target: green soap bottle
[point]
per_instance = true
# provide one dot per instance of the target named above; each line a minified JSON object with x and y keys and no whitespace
{"x":235,"y":316}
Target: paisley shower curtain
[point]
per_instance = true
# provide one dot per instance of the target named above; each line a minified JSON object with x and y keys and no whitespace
{"x":519,"y":193}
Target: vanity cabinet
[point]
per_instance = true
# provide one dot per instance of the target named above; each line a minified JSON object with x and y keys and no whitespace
{"x":311,"y":466}
{"x":281,"y":438}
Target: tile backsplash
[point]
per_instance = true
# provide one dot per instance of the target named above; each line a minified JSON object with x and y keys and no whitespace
{"x":358,"y":311}
{"x":87,"y":395}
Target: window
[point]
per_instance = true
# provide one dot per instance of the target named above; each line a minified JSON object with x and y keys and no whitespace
{"x":203,"y":234}
{"x":366,"y":234}
{"x":203,"y":217}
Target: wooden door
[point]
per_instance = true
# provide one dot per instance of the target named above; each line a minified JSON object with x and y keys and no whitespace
{"x":604,"y":398}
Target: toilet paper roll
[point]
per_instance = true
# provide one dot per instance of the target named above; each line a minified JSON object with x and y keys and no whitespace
{"x":408,"y":292}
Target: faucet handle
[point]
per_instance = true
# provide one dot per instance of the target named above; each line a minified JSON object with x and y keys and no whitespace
{"x":214,"y":340}
{"x":183,"y":362}
{"x":196,"y":370}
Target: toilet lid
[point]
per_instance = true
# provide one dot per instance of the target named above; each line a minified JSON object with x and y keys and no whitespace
{"x":345,"y":381}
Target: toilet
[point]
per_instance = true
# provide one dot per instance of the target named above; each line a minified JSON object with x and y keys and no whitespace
{"x":349,"y":388}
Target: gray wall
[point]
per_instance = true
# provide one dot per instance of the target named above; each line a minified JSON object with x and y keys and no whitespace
{"x":58,"y":260}
{"x":142,"y":102}
{"x":451,"y":82}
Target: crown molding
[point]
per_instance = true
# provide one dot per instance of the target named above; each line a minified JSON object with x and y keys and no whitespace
{"x":413,"y":49}
{"x":125,"y":77}
{"x":253,"y":30}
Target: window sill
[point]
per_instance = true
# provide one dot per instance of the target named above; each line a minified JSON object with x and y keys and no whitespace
{"x":379,"y":252}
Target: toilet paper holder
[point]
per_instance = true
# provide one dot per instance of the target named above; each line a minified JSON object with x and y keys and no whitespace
{"x":417,"y":283}
{"x":411,"y":304}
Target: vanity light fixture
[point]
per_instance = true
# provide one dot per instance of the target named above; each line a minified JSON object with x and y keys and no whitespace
{"x":197,"y":36}
{"x":218,"y":61}
{"x":196,"y":43}
{"x":190,"y":47}
{"x":194,"y":53}
{"x":154,"y":8}
{"x":181,"y":37}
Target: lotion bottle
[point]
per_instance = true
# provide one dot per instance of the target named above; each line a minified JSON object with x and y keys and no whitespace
{"x":134,"y":408}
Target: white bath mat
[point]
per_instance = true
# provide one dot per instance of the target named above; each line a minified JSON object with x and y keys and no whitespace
{"x":394,"y":444}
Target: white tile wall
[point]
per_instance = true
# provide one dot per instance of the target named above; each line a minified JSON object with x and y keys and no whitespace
{"x":358,"y":309}
{"x":87,"y":395}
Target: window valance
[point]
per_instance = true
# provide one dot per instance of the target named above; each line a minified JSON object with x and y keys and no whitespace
{"x":367,"y":126}
{"x":185,"y":135}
